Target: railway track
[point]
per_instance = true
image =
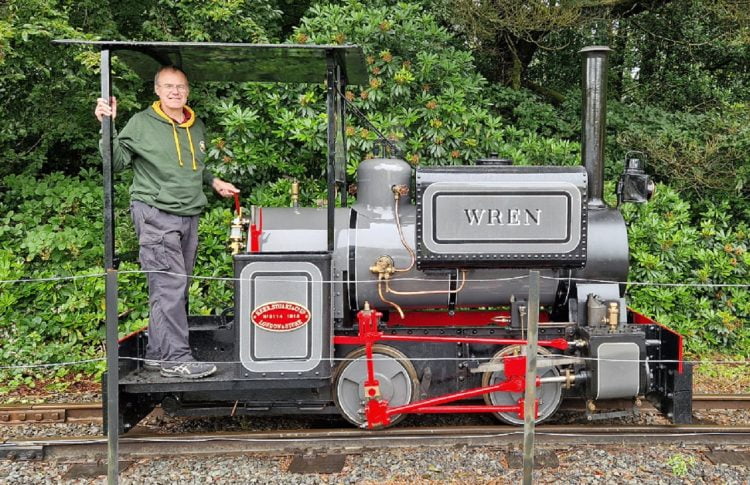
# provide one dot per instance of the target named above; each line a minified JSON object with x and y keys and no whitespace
{"x":134,"y":445}
{"x":141,"y":442}
{"x":92,"y":412}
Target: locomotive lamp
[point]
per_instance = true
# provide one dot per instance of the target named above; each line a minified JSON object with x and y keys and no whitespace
{"x":634,"y":185}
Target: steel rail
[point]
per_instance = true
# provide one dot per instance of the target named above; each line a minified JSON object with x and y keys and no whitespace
{"x":721,"y":401}
{"x":700,"y":402}
{"x":51,"y":413}
{"x":92,"y":412}
{"x":134,"y":446}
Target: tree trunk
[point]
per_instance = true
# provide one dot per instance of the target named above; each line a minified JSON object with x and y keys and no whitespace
{"x":506,"y":64}
{"x":617,"y":60}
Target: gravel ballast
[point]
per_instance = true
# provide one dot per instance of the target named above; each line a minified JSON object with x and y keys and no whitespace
{"x":168,"y":425}
{"x":610,"y":464}
{"x":628,"y":464}
{"x":465,"y":465}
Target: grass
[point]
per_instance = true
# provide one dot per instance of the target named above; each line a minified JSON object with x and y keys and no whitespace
{"x":720,"y":374}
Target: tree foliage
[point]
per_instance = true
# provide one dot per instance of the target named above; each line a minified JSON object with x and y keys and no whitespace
{"x":447,"y":83}
{"x":506,"y":33}
{"x":705,"y":154}
{"x":45,"y":91}
{"x":671,"y":244}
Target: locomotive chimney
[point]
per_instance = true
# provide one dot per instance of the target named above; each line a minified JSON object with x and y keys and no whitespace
{"x":593,"y":119}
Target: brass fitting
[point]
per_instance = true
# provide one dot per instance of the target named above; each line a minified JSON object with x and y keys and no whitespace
{"x":295,"y":194}
{"x":383,"y":267}
{"x":613,"y":318}
{"x":399,"y":191}
{"x":238,"y":233}
{"x":569,"y":379}
{"x":590,"y":406}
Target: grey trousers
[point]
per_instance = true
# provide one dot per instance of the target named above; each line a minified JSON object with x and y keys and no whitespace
{"x":167,"y":243}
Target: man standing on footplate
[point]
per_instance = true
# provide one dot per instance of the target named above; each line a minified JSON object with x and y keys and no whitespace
{"x":166,"y":146}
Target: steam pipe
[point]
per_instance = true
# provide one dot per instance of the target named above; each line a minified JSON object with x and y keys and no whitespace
{"x":594,"y":119}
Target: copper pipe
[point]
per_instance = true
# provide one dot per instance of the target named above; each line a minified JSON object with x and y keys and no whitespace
{"x":385,"y":300}
{"x":396,"y":196}
{"x":428,"y":292}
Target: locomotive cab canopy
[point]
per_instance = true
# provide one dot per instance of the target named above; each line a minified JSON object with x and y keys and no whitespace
{"x":335,"y":65}
{"x":307,"y":352}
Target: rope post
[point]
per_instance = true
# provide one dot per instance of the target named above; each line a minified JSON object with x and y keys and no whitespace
{"x":529,"y":411}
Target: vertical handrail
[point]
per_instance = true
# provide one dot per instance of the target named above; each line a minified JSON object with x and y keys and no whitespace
{"x":110,"y":301}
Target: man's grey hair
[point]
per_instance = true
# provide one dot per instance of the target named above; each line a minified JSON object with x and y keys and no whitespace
{"x":167,"y":68}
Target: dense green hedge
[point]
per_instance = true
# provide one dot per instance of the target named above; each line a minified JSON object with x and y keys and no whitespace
{"x":424,"y":93}
{"x":670,"y":244}
{"x":52,"y":227}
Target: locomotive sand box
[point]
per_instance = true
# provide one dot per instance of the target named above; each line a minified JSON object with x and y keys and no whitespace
{"x":414,"y":300}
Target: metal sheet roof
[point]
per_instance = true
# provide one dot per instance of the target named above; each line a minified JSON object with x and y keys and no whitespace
{"x":213,"y":61}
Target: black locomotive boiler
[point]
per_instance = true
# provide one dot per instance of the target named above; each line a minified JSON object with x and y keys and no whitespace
{"x":415,"y":299}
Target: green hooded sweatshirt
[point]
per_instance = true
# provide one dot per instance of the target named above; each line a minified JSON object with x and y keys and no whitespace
{"x":167,"y":160}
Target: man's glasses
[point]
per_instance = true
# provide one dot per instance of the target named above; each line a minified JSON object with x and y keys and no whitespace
{"x":179,"y":87}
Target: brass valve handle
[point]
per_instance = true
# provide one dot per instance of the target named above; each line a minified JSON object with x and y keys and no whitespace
{"x":400,"y":190}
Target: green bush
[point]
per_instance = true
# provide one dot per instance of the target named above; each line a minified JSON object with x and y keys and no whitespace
{"x":423,"y":92}
{"x":52,"y":227}
{"x":671,"y":245}
{"x":704,"y":154}
{"x":418,"y":94}
{"x":524,"y":110}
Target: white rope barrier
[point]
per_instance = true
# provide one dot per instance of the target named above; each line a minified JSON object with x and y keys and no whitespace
{"x":540,"y":357}
{"x":375,"y":281}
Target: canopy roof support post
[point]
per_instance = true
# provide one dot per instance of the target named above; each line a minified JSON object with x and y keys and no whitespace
{"x":331,"y":87}
{"x":341,"y":85}
{"x":110,"y":266}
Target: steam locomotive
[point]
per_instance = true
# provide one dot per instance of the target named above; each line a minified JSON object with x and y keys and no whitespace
{"x":416,"y":298}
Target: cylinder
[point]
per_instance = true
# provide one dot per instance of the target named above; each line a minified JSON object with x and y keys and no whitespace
{"x":593,"y":119}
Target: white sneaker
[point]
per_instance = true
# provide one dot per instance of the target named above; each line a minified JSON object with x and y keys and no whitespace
{"x":188,"y":370}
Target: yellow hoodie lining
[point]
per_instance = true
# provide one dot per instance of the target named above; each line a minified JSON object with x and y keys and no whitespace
{"x":187,"y":124}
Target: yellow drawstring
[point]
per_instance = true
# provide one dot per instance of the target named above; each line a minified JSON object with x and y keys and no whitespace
{"x":187,"y":124}
{"x":176,"y":143}
{"x":192,"y":150}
